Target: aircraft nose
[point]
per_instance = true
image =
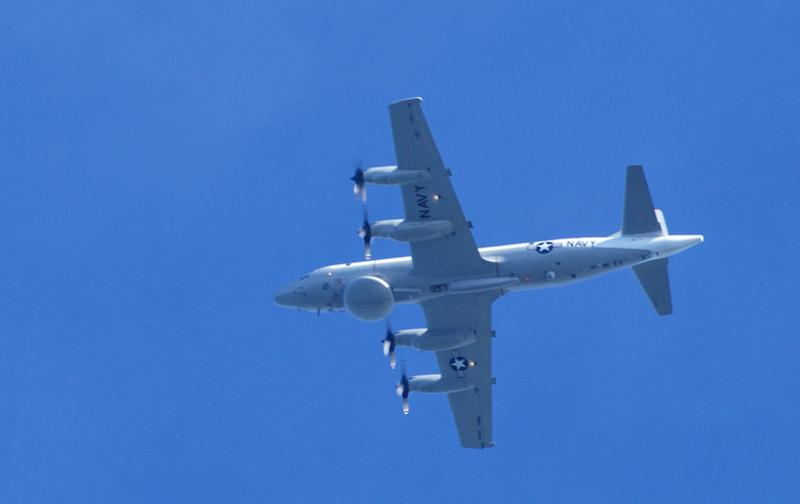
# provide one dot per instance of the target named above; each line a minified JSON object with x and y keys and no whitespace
{"x":284,"y":297}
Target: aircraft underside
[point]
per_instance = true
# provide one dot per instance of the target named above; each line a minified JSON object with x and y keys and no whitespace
{"x":455,"y":283}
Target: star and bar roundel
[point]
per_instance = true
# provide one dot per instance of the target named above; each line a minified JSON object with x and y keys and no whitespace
{"x":459,"y":364}
{"x":545,"y":247}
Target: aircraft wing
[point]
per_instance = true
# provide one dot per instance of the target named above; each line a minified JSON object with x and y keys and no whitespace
{"x":472,"y":409}
{"x":431,"y":199}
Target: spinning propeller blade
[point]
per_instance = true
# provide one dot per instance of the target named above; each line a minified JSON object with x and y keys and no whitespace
{"x":366,"y":233}
{"x":402,"y":388}
{"x":388,"y":344}
{"x":359,"y":189}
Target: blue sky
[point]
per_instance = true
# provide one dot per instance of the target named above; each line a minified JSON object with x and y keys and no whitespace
{"x":165,"y":169}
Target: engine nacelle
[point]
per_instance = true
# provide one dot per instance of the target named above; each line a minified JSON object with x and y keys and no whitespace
{"x":434,"y":384}
{"x":390,"y":175}
{"x":432,"y":341}
{"x":368,"y":298}
{"x":405,"y":231}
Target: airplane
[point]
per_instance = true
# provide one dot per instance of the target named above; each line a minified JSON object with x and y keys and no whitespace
{"x":455,"y":282}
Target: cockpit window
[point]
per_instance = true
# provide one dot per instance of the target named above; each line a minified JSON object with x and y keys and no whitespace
{"x":303,"y":277}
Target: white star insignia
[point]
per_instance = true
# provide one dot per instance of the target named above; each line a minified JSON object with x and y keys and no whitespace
{"x":460,"y":364}
{"x":545,"y":247}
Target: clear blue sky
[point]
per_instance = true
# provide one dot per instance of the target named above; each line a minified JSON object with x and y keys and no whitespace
{"x":165,"y":168}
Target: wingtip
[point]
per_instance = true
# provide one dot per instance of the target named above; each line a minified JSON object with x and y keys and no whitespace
{"x":416,"y":99}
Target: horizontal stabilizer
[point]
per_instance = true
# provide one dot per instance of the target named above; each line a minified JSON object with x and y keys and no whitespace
{"x":654,"y":278}
{"x":638,"y":215}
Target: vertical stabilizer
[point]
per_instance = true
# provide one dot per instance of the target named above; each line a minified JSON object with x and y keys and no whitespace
{"x":654,"y":278}
{"x":638,"y":215}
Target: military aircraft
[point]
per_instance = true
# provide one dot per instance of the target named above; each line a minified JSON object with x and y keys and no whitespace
{"x":456,"y":283}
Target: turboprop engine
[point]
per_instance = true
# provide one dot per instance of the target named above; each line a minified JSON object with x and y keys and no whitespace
{"x":405,"y":231}
{"x":368,"y":298}
{"x":428,"y":384}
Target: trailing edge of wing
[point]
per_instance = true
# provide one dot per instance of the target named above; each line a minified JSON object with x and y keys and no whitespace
{"x":472,"y":409}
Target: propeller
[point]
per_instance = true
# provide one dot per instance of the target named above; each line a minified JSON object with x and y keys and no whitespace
{"x":359,"y":189}
{"x":388,"y":344}
{"x":402,"y":388}
{"x":366,"y":233}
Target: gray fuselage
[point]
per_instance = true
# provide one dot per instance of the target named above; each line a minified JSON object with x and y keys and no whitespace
{"x":522,"y":266}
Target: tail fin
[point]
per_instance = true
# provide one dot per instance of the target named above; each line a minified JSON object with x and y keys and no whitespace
{"x":654,"y":278}
{"x":638,"y":215}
